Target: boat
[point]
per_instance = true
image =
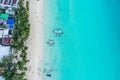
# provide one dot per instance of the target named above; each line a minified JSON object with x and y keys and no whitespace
{"x":50,"y":42}
{"x":58,"y":32}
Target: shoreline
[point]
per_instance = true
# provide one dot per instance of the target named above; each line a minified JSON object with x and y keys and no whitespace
{"x":35,"y":41}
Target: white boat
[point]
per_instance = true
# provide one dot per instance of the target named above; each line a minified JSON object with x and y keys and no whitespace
{"x":51,"y":42}
{"x":58,"y":32}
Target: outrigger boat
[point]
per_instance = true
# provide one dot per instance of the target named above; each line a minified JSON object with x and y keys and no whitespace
{"x":51,"y":42}
{"x":58,"y":32}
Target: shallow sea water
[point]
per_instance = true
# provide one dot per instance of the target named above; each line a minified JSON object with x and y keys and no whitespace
{"x":89,"y":49}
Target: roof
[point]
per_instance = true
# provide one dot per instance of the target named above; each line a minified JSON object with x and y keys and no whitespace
{"x":6,"y":41}
{"x":1,"y":78}
{"x":4,"y":16}
{"x":4,"y":50}
{"x":10,"y":21}
{"x":10,"y":11}
{"x":9,"y":3}
{"x":5,"y":32}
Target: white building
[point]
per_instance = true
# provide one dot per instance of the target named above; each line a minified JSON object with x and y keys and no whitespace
{"x":5,"y":32}
{"x":8,"y":3}
{"x":4,"y":50}
{"x":1,"y":33}
{"x":1,"y":78}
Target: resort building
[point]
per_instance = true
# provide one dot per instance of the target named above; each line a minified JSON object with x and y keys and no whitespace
{"x":8,"y":3}
{"x":6,"y":41}
{"x":6,"y":32}
{"x":7,"y":23}
{"x":6,"y":38}
{"x":4,"y":50}
{"x":10,"y":12}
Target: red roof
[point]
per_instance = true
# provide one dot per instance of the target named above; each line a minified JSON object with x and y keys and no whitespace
{"x":14,"y":2}
{"x":6,"y":2}
{"x":6,"y":40}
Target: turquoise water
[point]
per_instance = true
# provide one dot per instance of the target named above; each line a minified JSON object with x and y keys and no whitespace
{"x":90,"y":46}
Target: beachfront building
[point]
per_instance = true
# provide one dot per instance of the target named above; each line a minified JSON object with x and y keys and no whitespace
{"x":6,"y":41}
{"x":10,"y":12}
{"x":6,"y":38}
{"x":6,"y":22}
{"x":3,"y":18}
{"x":4,"y":50}
{"x":6,"y":32}
{"x":8,"y":3}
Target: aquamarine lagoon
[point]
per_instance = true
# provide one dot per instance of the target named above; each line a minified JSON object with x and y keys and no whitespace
{"x":89,"y":48}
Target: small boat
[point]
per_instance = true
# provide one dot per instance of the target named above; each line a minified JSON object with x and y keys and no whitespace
{"x":48,"y":75}
{"x":58,"y":32}
{"x":51,"y":42}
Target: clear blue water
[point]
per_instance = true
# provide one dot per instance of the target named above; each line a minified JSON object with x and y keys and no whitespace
{"x":90,"y":46}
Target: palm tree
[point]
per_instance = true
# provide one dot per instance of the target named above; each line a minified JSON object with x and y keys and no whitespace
{"x":7,"y":74}
{"x":6,"y":60}
{"x":27,"y":5}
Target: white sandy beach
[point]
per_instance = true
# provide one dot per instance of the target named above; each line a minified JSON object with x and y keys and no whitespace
{"x":35,"y":41}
